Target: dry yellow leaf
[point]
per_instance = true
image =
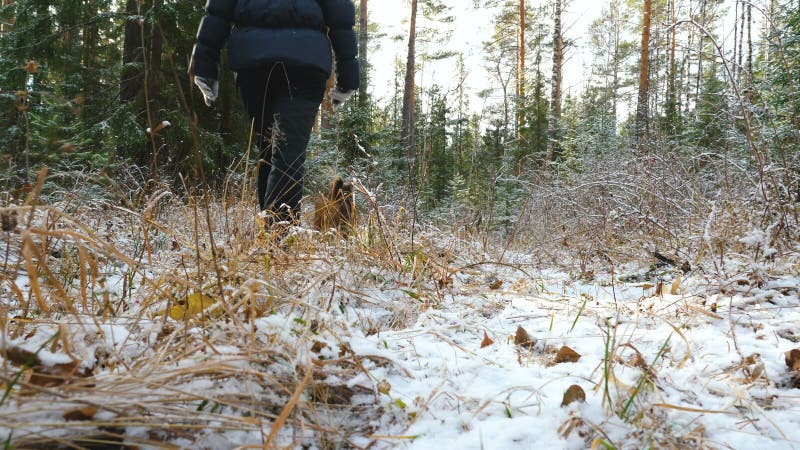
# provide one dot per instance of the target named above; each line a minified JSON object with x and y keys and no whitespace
{"x":793,"y":359}
{"x":676,"y":284}
{"x":85,"y":413}
{"x":194,"y":304}
{"x":384,"y":387}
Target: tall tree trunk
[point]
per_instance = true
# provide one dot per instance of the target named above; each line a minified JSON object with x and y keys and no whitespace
{"x":8,"y":25}
{"x":672,"y":104}
{"x":615,"y":62}
{"x":131,"y":81}
{"x":409,"y":101}
{"x":89,"y":52}
{"x":131,"y":77}
{"x":700,"y":49}
{"x":363,"y":41}
{"x":554,"y":141}
{"x":735,"y":39}
{"x":749,"y":43}
{"x":740,"y":52}
{"x":154,"y":64}
{"x":642,"y":110}
{"x":521,"y":71}
{"x":153,"y":83}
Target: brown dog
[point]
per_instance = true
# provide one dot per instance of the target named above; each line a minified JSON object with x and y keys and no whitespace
{"x":337,"y":208}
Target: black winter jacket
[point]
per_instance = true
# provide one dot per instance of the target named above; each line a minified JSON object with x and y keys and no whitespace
{"x":296,"y":32}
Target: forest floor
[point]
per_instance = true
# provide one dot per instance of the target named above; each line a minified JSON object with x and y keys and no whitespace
{"x":134,"y":329}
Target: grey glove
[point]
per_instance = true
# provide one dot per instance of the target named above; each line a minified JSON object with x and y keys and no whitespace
{"x":339,"y":97}
{"x":208,"y":87}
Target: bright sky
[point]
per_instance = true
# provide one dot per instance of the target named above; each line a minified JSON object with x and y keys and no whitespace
{"x":471,"y":28}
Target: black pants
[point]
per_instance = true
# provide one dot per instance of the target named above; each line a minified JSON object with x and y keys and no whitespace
{"x":282,"y":102}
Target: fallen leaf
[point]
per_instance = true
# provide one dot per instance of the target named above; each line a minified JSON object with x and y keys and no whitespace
{"x":676,"y":284}
{"x":566,"y":354}
{"x":384,"y":387}
{"x":39,"y":374}
{"x":9,"y":220}
{"x":194,"y":304}
{"x":497,"y":284}
{"x":85,"y":413}
{"x":793,"y":360}
{"x":523,"y":339}
{"x":345,"y":349}
{"x":574,"y":394}
{"x":318,"y":346}
{"x":486,"y":340}
{"x":660,"y":289}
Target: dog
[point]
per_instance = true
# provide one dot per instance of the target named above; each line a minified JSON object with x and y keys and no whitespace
{"x":337,"y":208}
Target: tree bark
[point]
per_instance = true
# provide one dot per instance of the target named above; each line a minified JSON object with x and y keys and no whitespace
{"x":749,"y":43}
{"x":616,"y":62}
{"x":642,"y":109}
{"x":363,"y":41}
{"x":131,"y":78}
{"x":672,"y":104}
{"x":154,"y":64}
{"x":735,"y":39}
{"x":8,"y":26}
{"x":740,"y":52}
{"x":409,"y":101}
{"x":554,"y":126}
{"x":521,"y":71}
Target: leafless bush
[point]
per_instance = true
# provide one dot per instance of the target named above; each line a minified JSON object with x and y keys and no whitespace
{"x":627,"y":206}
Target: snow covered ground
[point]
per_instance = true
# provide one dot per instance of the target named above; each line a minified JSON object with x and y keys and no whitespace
{"x":347,"y":344}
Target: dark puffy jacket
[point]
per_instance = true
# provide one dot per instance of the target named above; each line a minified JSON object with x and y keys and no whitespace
{"x":297,"y":32}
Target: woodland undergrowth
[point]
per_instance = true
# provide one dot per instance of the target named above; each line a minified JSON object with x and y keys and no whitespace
{"x":159,"y":318}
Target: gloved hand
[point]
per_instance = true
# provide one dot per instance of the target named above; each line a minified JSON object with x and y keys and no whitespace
{"x":339,"y":97}
{"x":208,"y":87}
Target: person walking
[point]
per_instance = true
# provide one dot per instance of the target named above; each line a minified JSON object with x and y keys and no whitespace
{"x":282,"y":52}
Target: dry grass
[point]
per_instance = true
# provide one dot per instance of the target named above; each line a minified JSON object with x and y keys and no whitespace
{"x":107,"y":287}
{"x":130,"y":323}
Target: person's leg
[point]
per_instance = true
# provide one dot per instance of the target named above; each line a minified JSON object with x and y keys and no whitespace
{"x":256,"y":88}
{"x":294,"y":108}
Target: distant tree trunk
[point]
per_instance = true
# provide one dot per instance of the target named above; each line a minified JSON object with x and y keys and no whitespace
{"x":89,"y":80}
{"x":521,"y":71}
{"x":154,"y":64}
{"x":642,"y":110}
{"x":700,"y":49}
{"x":672,"y":104}
{"x":408,"y":94}
{"x":7,"y":26}
{"x":554,"y":141}
{"x":740,"y":52}
{"x":363,"y":40}
{"x":685,"y":77}
{"x":153,"y":83}
{"x":749,"y":42}
{"x":131,"y":81}
{"x":735,"y":39}
{"x":132,"y":78}
{"x":616,"y":62}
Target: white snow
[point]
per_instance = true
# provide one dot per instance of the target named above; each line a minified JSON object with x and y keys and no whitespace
{"x":701,"y":367}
